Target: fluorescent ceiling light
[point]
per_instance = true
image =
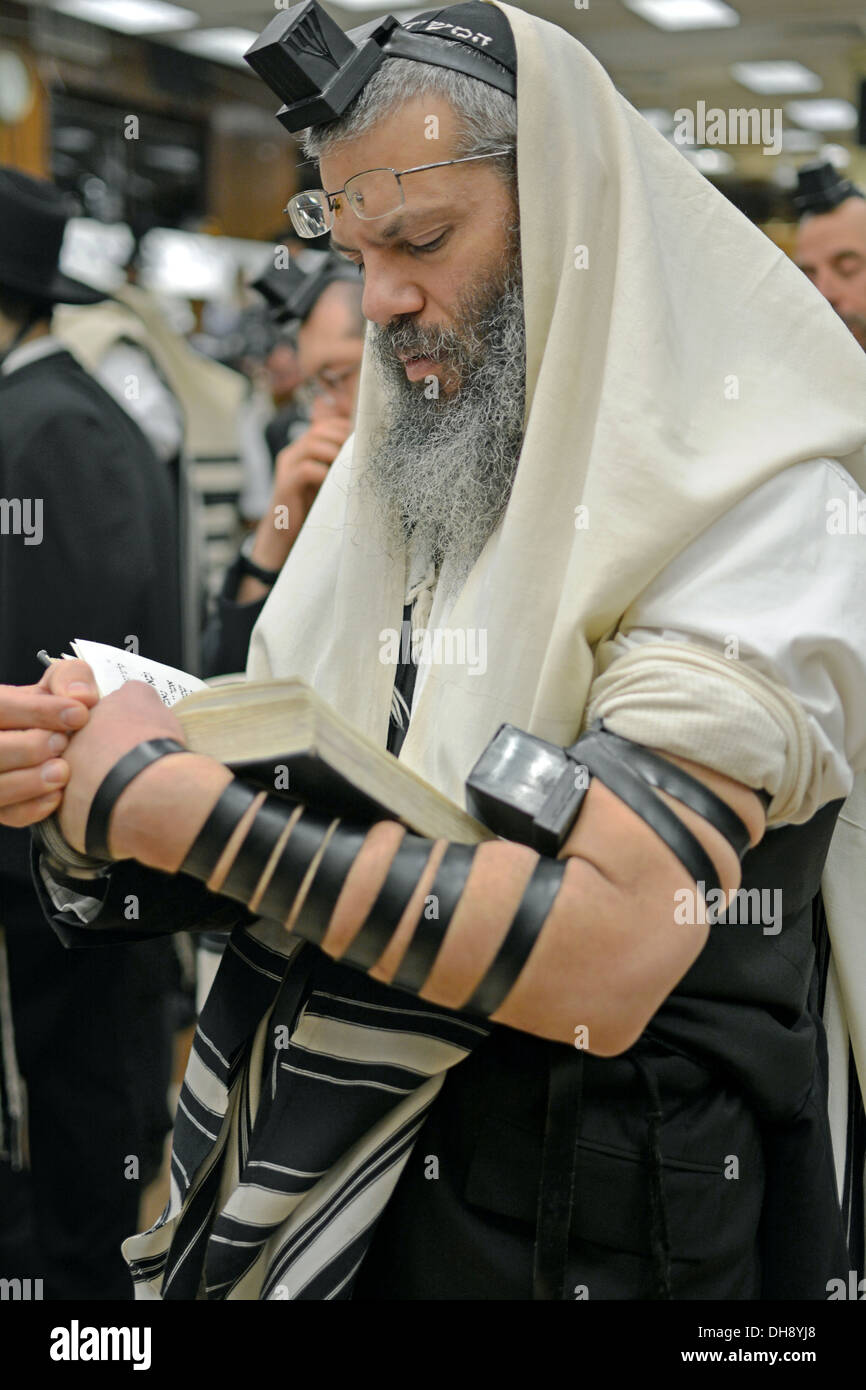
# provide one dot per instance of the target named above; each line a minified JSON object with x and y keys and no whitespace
{"x":799,"y":141}
{"x":685,"y":14}
{"x":220,"y":45}
{"x":837,"y":155}
{"x":776,"y":77}
{"x":824,"y":113}
{"x":659,"y":118}
{"x":374,"y":7}
{"x":130,"y":16}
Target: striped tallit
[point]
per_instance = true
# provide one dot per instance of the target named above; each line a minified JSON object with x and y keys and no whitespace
{"x":305,"y":1091}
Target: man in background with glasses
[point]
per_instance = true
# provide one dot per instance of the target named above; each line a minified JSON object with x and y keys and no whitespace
{"x":330,"y":346}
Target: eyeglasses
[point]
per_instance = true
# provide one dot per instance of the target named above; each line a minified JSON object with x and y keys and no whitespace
{"x":372,"y":194}
{"x":327,"y":382}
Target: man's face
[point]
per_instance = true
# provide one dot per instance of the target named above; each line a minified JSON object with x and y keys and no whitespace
{"x":283,"y":372}
{"x":424,"y":263}
{"x":444,"y":453}
{"x":330,"y":351}
{"x":831,"y":250}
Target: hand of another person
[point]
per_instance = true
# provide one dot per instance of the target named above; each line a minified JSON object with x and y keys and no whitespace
{"x":35,"y":724}
{"x":300,"y":470}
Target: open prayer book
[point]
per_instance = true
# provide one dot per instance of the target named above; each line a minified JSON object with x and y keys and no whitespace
{"x":285,"y":738}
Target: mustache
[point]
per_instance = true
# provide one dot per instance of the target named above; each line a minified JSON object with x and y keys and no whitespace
{"x":439,"y":343}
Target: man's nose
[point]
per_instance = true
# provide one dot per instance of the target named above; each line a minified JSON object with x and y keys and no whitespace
{"x":388,"y":293}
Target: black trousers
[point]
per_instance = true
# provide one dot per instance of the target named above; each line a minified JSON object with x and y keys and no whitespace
{"x":461,"y":1223}
{"x":93,"y":1036}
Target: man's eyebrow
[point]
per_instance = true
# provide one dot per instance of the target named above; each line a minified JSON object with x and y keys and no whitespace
{"x":396,"y":229}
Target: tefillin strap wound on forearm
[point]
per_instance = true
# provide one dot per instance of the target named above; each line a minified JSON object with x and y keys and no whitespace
{"x":635,"y":774}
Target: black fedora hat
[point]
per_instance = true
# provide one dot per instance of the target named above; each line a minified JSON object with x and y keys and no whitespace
{"x":33,"y":217}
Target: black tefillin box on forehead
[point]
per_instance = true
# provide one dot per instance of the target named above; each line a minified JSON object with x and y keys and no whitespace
{"x":317,"y":70}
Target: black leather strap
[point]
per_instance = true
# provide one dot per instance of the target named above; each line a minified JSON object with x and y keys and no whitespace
{"x":382,"y":921}
{"x":558,"y":1171}
{"x":340,"y":854}
{"x":522,"y":935}
{"x":211,"y":840}
{"x":678,"y":783}
{"x":249,"y":864}
{"x":630,"y":788}
{"x":116,"y":781}
{"x":447,"y":890}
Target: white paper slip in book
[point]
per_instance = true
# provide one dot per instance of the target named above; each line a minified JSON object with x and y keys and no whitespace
{"x":112,"y":667}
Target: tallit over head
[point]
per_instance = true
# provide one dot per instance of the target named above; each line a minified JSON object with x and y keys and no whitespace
{"x":676,"y":361}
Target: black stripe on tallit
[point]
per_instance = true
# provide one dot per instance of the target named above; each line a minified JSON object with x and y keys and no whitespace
{"x":273,"y":1177}
{"x":336,"y":1280}
{"x":198,"y":1113}
{"x":187,"y":1251}
{"x":353,"y":1069}
{"x":393,"y":1145}
{"x":450,"y":1027}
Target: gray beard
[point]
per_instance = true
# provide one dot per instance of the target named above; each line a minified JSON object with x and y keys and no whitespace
{"x":442,"y":468}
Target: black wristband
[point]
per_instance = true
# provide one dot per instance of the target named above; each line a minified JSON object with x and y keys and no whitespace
{"x":245,"y":565}
{"x":116,"y":781}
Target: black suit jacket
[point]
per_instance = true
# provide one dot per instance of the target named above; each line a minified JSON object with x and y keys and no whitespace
{"x":106,"y":564}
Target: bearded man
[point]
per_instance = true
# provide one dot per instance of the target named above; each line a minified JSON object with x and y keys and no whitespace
{"x":433,"y":1070}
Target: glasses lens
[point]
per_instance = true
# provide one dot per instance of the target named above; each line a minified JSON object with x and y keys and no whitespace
{"x":374,"y":193}
{"x":310,"y":213}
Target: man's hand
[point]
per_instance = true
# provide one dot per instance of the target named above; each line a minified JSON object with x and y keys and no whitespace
{"x":35,"y":724}
{"x":116,"y":725}
{"x":300,"y":470}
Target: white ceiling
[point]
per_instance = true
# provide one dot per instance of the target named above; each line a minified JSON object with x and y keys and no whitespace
{"x":656,"y":68}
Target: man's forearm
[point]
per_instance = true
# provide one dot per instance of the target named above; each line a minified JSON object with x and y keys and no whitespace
{"x":604,"y":959}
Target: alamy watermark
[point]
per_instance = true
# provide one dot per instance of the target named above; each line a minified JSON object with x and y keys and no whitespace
{"x":742,"y":125}
{"x":438,"y":646}
{"x":756,"y":907}
{"x":22,"y":516}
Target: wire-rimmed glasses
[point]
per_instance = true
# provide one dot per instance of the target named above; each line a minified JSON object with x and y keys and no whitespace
{"x":371,"y":194}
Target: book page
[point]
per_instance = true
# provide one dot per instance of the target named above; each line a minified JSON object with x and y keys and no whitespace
{"x":113,"y":666}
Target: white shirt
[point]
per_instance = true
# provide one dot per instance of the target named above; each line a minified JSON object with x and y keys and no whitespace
{"x":775,"y":574}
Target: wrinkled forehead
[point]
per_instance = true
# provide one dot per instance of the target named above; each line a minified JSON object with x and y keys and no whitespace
{"x":329,"y":338}
{"x":829,"y":234}
{"x":421,"y":130}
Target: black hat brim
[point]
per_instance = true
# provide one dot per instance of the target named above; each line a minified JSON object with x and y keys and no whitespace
{"x":60,"y":289}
